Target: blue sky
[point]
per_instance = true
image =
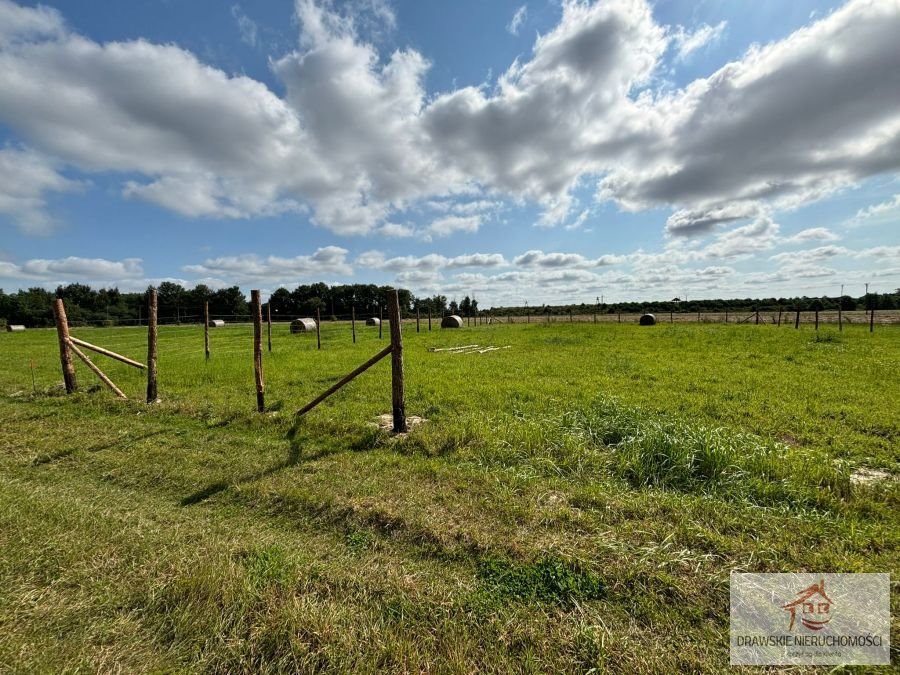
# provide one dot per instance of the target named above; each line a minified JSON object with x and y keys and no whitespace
{"x":554,"y":151}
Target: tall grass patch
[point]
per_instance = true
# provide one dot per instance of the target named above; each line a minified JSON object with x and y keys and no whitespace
{"x":651,"y":450}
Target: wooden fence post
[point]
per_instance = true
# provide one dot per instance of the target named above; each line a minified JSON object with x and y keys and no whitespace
{"x":344,"y":380}
{"x":380,"y":320}
{"x":398,"y":404}
{"x":417,"y":319}
{"x":429,"y":317}
{"x":757,"y":317}
{"x":206,"y":329}
{"x":105,"y":352}
{"x":65,"y":354}
{"x":99,"y":373}
{"x":872,"y":320}
{"x":620,"y":317}
{"x":671,"y":317}
{"x":817,"y":319}
{"x":152,"y":394}
{"x":779,"y":316}
{"x":318,"y":328}
{"x":269,"y":322}
{"x":797,"y":320}
{"x":840,"y":315}
{"x":353,"y":322}
{"x":257,"y":351}
{"x":726,"y":316}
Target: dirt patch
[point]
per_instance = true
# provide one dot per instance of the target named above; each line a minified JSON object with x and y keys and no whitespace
{"x":553,"y":499}
{"x":386,"y":422}
{"x":865,"y":476}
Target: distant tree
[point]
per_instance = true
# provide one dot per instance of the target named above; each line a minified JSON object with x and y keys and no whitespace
{"x":35,"y":308}
{"x":195,"y":298}
{"x":282,"y":303}
{"x":230,"y":303}
{"x":438,"y":304}
{"x":170,"y":298}
{"x":310,"y":305}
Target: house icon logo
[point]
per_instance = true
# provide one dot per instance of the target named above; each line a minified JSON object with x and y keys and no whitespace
{"x":812,"y":606}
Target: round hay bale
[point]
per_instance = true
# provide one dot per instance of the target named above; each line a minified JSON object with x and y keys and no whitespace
{"x":216,"y":323}
{"x":452,"y":321}
{"x":303,"y":325}
{"x":648,"y":320}
{"x":373,"y":321}
{"x":14,"y":328}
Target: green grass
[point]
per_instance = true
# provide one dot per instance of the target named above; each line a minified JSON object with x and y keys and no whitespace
{"x":576,"y":501}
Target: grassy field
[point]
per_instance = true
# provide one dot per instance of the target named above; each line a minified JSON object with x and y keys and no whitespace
{"x":574,"y":502}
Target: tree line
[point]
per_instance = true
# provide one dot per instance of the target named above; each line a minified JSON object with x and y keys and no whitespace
{"x":805,"y":304}
{"x":108,"y":306}
{"x":33,"y":307}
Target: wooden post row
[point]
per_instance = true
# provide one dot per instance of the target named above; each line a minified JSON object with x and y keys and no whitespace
{"x":318,"y":328}
{"x":152,"y":394}
{"x":65,"y":353}
{"x":257,"y":351}
{"x":353,"y":322}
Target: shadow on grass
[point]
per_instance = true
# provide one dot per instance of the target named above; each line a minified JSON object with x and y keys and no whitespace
{"x":295,"y":457}
{"x":35,"y":417}
{"x":63,"y":454}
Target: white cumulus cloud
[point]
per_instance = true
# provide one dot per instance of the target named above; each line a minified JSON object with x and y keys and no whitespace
{"x":356,"y":139}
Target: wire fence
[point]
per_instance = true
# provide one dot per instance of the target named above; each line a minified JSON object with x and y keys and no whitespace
{"x":737,"y":316}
